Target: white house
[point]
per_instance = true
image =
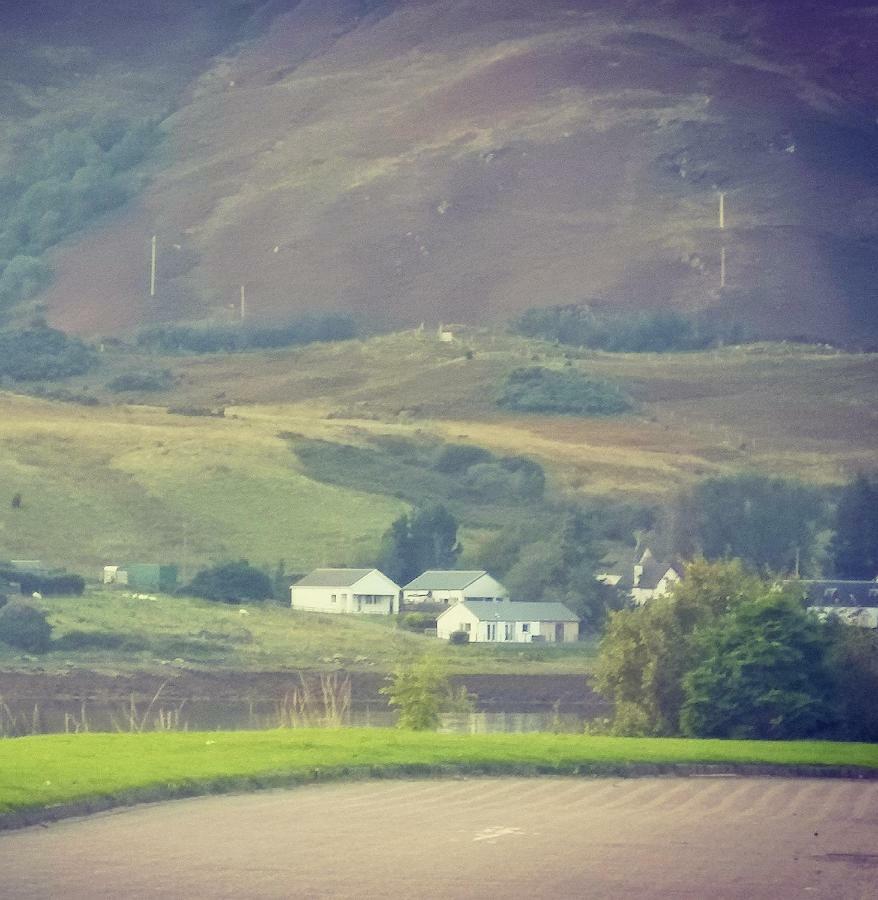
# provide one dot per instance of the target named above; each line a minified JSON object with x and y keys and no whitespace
{"x":502,"y":621}
{"x":365,"y":591}
{"x":453,"y":585}
{"x":652,"y":578}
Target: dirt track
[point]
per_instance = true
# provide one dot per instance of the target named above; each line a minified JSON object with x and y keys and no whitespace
{"x":643,"y":838}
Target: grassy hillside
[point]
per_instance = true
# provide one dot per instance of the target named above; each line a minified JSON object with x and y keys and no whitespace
{"x":460,"y":162}
{"x":126,"y":480}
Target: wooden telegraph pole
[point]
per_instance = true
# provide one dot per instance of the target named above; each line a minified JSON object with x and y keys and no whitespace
{"x":152,"y":270}
{"x":243,"y":304}
{"x":722,"y":226}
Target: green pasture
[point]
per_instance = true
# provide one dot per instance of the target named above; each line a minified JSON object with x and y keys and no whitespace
{"x":110,"y":631}
{"x":114,"y":769}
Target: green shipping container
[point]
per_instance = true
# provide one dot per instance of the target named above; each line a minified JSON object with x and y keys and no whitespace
{"x":152,"y":577}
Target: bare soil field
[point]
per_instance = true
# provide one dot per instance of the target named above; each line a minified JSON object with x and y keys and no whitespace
{"x":640,"y":838}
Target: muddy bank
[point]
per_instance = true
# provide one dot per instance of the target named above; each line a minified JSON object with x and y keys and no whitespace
{"x":495,"y":693}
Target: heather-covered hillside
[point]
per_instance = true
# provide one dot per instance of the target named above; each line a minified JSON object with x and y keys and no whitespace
{"x":445,"y":160}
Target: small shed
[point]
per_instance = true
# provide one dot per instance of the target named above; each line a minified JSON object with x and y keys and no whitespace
{"x":509,"y":621}
{"x":364,"y":591}
{"x":447,"y":586}
{"x":143,"y":576}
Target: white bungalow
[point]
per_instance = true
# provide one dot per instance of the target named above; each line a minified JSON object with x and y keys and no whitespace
{"x":365,"y":591}
{"x":449,"y":586}
{"x":506,"y":621}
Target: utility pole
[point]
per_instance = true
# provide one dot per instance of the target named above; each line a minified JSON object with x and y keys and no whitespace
{"x":152,"y":270}
{"x":722,"y":268}
{"x":722,"y":210}
{"x":243,"y":304}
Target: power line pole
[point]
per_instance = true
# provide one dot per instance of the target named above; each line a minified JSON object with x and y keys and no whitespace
{"x":722,"y":268}
{"x":722,"y":210}
{"x":243,"y":304}
{"x":152,"y":270}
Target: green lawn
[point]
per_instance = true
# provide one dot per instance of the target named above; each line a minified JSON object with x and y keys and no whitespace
{"x":43,"y":771}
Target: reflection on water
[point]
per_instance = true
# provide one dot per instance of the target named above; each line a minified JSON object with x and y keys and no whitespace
{"x":22,"y":718}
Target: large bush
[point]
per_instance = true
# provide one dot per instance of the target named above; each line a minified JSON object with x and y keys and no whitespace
{"x":231,"y":582}
{"x":58,"y":585}
{"x":24,"y":627}
{"x":566,"y":392}
{"x":236,"y":338}
{"x":657,"y":331}
{"x":40,"y":352}
{"x":727,"y":655}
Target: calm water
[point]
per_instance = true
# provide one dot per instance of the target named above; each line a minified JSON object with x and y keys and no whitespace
{"x":23,"y":718}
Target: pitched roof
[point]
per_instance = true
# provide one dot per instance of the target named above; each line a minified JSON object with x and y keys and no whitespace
{"x":838,"y":593}
{"x":653,"y":572}
{"x":444,"y":580}
{"x":332,"y":577}
{"x":517,"y":611}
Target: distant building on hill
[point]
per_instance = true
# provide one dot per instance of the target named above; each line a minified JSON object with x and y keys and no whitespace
{"x":507,"y":621}
{"x":363,"y":591}
{"x":644,"y":579}
{"x":447,"y":586}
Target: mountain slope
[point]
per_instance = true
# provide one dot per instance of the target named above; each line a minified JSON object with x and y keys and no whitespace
{"x":449,"y":160}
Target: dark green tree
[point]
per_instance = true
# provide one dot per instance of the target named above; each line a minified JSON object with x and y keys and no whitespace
{"x":230,"y":582}
{"x":763,"y":672}
{"x":25,"y":627}
{"x":426,"y":539}
{"x":854,"y":546}
{"x":768,"y":523}
{"x":646,"y":652}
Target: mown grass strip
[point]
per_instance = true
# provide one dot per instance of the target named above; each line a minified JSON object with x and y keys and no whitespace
{"x":51,"y":773}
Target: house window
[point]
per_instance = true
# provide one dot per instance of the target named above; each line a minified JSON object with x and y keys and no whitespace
{"x":491,"y":631}
{"x":525,"y":627}
{"x":508,"y":631}
{"x":344,"y":596}
{"x":333,"y":598}
{"x":466,"y":626}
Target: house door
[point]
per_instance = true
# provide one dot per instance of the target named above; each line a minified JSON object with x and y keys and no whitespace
{"x":559,"y":632}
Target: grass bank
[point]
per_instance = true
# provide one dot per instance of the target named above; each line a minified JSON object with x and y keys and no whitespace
{"x":56,"y":775}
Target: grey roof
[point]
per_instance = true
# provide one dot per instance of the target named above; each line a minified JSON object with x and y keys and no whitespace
{"x":332,"y":577}
{"x":518,"y":611}
{"x":444,"y":580}
{"x":653,"y":572}
{"x":837,"y":593}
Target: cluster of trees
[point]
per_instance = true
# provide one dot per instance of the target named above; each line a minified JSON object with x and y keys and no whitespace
{"x":770,"y":523}
{"x":39,"y":352}
{"x":656,"y":331}
{"x":854,"y":545}
{"x":727,"y":655}
{"x":64,"y":179}
{"x":424,"y":539}
{"x":237,"y":338}
{"x":59,"y":584}
{"x":567,"y":392}
{"x":778,"y":525}
{"x":471,"y":481}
